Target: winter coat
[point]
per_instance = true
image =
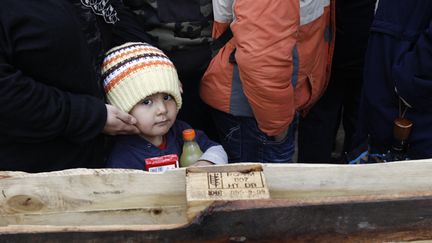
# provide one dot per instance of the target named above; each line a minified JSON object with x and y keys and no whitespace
{"x":398,"y":70}
{"x":281,"y":63}
{"x":52,"y":105}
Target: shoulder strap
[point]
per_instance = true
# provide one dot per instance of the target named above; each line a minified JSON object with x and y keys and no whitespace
{"x":221,"y":41}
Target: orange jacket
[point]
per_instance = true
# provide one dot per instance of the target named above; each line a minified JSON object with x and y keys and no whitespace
{"x":283,"y":51}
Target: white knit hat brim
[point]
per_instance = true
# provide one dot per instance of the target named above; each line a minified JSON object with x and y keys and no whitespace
{"x":142,"y":83}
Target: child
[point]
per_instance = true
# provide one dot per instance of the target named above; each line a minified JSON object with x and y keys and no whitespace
{"x":141,"y":80}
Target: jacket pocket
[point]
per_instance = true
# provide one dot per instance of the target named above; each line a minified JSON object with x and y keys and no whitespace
{"x":303,"y":92}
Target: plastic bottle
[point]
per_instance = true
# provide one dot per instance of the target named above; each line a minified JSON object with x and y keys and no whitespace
{"x":191,"y":150}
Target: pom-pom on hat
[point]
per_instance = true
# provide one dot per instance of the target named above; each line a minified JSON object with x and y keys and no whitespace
{"x":136,"y":70}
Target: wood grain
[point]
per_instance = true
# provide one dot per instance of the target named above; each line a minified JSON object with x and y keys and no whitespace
{"x":308,"y":202}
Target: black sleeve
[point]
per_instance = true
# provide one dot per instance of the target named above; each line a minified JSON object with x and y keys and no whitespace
{"x":128,"y":28}
{"x":33,"y":112}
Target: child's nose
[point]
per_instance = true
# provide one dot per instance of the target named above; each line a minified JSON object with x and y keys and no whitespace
{"x":162,"y":108}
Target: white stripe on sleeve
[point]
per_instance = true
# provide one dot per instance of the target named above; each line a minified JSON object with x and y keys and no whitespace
{"x":223,"y":11}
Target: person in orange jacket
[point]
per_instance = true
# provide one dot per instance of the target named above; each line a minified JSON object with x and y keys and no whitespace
{"x":276,"y":64}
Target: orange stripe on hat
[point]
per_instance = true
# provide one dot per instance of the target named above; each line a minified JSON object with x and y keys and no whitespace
{"x":134,"y":68}
{"x":126,"y":53}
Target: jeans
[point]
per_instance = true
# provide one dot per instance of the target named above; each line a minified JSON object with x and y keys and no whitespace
{"x":244,"y":142}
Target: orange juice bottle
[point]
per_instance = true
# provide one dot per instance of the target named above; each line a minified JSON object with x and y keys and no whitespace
{"x":191,"y":150}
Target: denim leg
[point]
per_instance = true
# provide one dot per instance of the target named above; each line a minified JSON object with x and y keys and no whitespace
{"x":282,"y":151}
{"x":229,"y":130}
{"x":244,"y":142}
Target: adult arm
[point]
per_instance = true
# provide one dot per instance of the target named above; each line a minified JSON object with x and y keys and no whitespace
{"x":264,"y":57}
{"x":33,"y":112}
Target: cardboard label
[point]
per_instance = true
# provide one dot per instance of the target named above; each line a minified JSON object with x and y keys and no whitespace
{"x":230,"y":185}
{"x":161,"y":163}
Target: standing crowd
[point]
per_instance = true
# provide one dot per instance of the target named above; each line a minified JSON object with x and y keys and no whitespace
{"x":114,"y":83}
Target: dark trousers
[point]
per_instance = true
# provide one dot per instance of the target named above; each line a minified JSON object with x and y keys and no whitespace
{"x":244,"y":142}
{"x":317,"y":131}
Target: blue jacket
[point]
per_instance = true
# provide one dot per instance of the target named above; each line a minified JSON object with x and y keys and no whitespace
{"x":399,"y":63}
{"x":130,"y":151}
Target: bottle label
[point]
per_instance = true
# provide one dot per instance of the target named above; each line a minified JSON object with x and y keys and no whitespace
{"x":162,"y":163}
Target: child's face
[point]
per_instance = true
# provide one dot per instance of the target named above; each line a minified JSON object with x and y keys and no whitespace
{"x":155,"y":115}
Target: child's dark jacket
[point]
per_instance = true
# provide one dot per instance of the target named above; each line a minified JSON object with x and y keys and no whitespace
{"x":130,"y":151}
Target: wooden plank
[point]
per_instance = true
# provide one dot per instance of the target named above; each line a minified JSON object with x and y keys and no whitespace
{"x":226,"y":183}
{"x":303,"y":181}
{"x":348,"y":203}
{"x":204,"y":185}
{"x":74,"y":197}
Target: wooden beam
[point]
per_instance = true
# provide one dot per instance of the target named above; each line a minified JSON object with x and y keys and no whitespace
{"x":350,"y":203}
{"x":82,"y":196}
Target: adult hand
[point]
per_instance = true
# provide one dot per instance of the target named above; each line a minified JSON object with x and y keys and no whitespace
{"x":281,"y":135}
{"x":119,"y":122}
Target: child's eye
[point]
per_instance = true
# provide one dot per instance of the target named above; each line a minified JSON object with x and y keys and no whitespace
{"x":168,"y":97}
{"x":146,"y":102}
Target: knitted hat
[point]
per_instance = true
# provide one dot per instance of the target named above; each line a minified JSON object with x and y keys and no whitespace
{"x":136,"y":70}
